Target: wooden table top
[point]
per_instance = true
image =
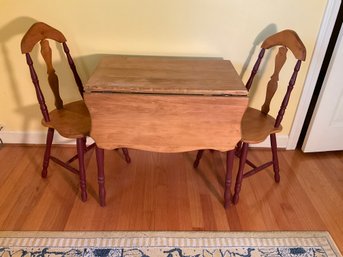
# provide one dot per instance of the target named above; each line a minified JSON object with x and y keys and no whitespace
{"x":166,"y":75}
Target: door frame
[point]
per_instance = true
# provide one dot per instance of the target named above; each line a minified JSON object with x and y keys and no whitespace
{"x":323,"y":123}
{"x":326,"y":28}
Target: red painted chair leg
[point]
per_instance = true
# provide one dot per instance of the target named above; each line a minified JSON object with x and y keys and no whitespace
{"x":229,"y":164}
{"x":275,"y":158}
{"x":197,"y":159}
{"x":101,"y":175}
{"x":239,"y":178}
{"x":80,"y":143}
{"x":238,"y":149}
{"x":126,"y":154}
{"x":84,"y":142}
{"x":49,"y":139}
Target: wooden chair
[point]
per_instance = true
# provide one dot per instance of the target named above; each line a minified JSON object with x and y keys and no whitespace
{"x":71,"y":120}
{"x":257,"y":125}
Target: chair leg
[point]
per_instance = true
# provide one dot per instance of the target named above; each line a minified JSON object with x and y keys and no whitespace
{"x":80,"y":144}
{"x":228,"y":178}
{"x":101,"y":175}
{"x":197,"y":159}
{"x":126,"y":154}
{"x":84,"y":142}
{"x":275,"y":158}
{"x":46,"y":160}
{"x":238,"y":149}
{"x":239,"y":178}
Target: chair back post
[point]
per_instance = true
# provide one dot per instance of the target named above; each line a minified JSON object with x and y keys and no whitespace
{"x":73,"y":68}
{"x":38,"y":90}
{"x":287,"y":95}
{"x":255,"y":69}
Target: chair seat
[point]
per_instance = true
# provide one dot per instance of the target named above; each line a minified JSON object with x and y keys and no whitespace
{"x":257,"y":126}
{"x":73,"y":121}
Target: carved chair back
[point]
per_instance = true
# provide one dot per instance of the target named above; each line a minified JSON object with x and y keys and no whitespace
{"x":41,"y":33}
{"x":285,"y":40}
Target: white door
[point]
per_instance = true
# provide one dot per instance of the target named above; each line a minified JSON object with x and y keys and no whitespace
{"x":325,"y":132}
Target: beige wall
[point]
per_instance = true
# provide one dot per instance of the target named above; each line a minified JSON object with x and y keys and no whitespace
{"x":222,"y":28}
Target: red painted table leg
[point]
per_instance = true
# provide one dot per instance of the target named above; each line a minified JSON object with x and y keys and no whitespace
{"x":80,"y":153}
{"x":101,"y":175}
{"x":229,"y":164}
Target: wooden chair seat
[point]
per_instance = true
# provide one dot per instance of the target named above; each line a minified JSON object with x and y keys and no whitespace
{"x":257,"y":126}
{"x":73,"y":121}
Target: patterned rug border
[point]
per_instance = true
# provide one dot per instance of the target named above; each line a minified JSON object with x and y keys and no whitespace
{"x":155,"y":239}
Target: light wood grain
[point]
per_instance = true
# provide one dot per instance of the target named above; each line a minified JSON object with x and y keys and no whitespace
{"x":289,"y":39}
{"x":73,"y":121}
{"x":257,"y":126}
{"x":52,"y":77}
{"x":163,"y":192}
{"x":272,"y":85}
{"x":166,"y":75}
{"x":165,"y":123}
{"x":37,"y":32}
{"x":165,"y":104}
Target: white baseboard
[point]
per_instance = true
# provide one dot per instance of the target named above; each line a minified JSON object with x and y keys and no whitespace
{"x":282,"y":141}
{"x":34,"y":138}
{"x":39,"y":137}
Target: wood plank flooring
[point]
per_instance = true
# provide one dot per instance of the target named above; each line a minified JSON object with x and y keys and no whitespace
{"x":163,"y":192}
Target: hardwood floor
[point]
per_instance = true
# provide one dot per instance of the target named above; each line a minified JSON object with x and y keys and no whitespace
{"x":163,"y":192}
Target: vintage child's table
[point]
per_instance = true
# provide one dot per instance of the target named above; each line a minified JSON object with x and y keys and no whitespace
{"x":165,"y":104}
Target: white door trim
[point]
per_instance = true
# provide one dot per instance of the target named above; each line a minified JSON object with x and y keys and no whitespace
{"x":325,"y":131}
{"x":323,"y":38}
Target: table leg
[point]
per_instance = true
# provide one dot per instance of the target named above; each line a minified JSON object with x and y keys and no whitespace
{"x":101,"y":175}
{"x":229,"y":165}
{"x":80,"y":153}
{"x":239,"y":178}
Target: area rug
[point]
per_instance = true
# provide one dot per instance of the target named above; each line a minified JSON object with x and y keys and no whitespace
{"x":168,"y":244}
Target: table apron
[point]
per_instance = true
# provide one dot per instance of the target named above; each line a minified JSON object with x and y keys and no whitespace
{"x":165,"y":123}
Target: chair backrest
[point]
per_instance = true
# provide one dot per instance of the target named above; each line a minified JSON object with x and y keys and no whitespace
{"x":41,"y":33}
{"x":286,"y":40}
